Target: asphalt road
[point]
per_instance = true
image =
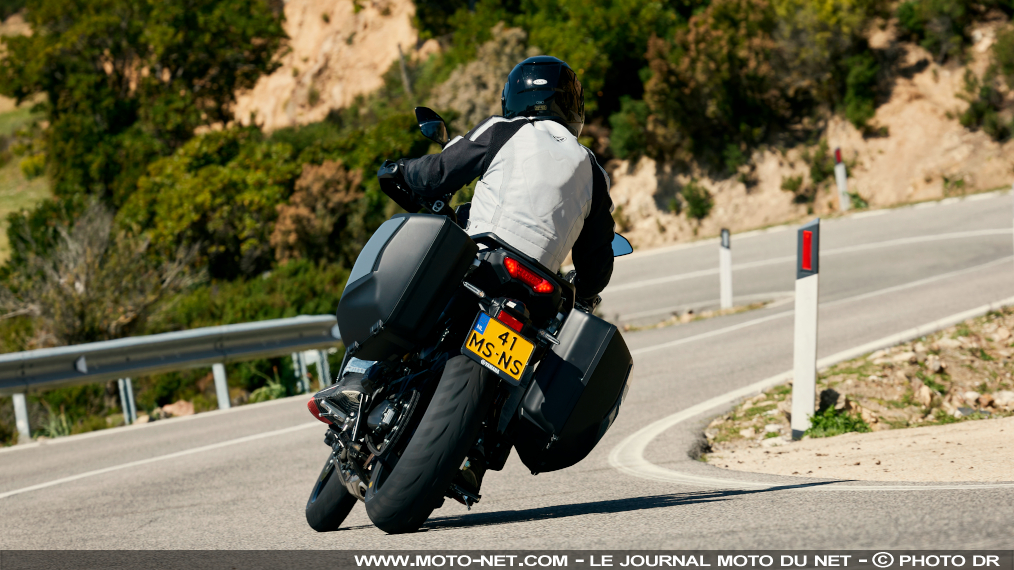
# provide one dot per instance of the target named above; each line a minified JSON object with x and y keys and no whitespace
{"x":240,"y":478}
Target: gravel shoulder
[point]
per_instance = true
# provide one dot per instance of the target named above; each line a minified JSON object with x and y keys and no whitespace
{"x":981,"y":451}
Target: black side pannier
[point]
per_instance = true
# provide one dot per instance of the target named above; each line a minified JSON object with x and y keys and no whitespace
{"x":400,"y":284}
{"x":574,"y":396}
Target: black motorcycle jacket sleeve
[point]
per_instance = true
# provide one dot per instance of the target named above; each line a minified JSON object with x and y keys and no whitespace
{"x":593,"y":250}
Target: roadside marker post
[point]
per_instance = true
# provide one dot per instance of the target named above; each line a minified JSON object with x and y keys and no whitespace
{"x":804,"y":354}
{"x":221,"y":386}
{"x":725,"y":270}
{"x":841,"y":178}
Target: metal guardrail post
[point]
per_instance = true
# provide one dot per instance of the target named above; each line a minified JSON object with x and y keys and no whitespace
{"x":299,"y":367}
{"x":221,"y":386}
{"x":725,"y":270}
{"x":324,"y":368}
{"x":804,"y":354}
{"x":127,"y":400}
{"x":21,"y":418}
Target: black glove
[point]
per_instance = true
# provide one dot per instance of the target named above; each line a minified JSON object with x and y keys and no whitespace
{"x":393,"y":184}
{"x":588,"y":304}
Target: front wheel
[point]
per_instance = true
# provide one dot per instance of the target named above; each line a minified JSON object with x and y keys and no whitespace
{"x":330,"y":502}
{"x":401,"y":500}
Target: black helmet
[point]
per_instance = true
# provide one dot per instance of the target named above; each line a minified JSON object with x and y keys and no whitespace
{"x":544,"y":87}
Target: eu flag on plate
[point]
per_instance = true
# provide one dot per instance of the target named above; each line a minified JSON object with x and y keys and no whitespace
{"x":481,"y":322}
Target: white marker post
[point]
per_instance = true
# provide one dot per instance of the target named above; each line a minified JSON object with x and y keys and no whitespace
{"x":804,"y":375}
{"x":725,"y":270}
{"x":841,"y":178}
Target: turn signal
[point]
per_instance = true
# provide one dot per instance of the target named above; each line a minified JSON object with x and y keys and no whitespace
{"x":528,"y":277}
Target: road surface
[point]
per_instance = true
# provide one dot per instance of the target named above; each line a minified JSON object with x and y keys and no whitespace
{"x":240,"y":478}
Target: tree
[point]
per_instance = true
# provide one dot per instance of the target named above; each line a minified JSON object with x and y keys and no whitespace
{"x":219,"y":192}
{"x":127,"y":81}
{"x":714,"y":85}
{"x":96,"y":286}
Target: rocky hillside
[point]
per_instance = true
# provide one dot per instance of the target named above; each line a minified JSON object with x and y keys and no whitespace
{"x":338,"y":49}
{"x":922,"y":153}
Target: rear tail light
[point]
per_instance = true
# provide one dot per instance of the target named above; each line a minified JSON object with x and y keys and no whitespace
{"x":509,"y":320}
{"x":528,"y":277}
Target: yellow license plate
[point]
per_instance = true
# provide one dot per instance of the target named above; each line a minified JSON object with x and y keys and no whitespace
{"x":497,"y":347}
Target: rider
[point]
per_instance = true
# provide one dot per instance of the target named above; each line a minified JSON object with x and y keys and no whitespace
{"x":539,"y":189}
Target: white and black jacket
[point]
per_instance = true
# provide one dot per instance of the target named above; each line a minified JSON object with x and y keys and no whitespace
{"x":539,"y":189}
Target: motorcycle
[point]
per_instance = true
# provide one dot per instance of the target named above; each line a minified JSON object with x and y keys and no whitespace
{"x":461,"y":349}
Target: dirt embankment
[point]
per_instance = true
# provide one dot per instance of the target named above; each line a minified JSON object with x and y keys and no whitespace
{"x":926,"y":154}
{"x":954,"y":389}
{"x":338,"y":49}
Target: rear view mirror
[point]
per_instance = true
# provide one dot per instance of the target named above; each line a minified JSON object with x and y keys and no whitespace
{"x":621,"y":246}
{"x":431,"y":125}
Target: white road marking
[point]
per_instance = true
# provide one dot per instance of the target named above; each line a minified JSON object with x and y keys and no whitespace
{"x":140,"y":462}
{"x":151,"y":425}
{"x":792,"y":258}
{"x":772,"y":296}
{"x":860,"y":297}
{"x":628,"y":456}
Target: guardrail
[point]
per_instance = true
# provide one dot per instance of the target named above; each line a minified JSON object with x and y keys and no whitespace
{"x":121,"y":359}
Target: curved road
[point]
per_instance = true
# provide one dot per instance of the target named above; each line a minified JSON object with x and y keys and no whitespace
{"x":239,"y":478}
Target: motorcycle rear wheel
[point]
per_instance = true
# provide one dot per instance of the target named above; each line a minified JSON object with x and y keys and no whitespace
{"x":330,"y":502}
{"x":401,"y":500}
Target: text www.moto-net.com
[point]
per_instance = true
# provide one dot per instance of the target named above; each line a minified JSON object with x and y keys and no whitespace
{"x":439,"y":560}
{"x":863,"y":561}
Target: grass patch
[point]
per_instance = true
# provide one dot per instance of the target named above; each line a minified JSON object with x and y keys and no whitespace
{"x":931,"y":382}
{"x":831,"y":423}
{"x":758,"y":410}
{"x":16,"y":191}
{"x":11,"y":121}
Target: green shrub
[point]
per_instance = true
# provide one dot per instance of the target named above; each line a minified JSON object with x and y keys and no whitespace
{"x":985,"y":103}
{"x":629,"y":137}
{"x":941,"y":26}
{"x":792,"y":184}
{"x":858,"y":202}
{"x":833,"y":422}
{"x":33,"y":166}
{"x":821,"y":163}
{"x":713,"y":83}
{"x":106,"y":118}
{"x":860,"y":92}
{"x":698,"y":200}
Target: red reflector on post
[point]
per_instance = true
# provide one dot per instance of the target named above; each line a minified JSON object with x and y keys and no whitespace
{"x":807,"y":261}
{"x":509,"y":320}
{"x":528,"y":277}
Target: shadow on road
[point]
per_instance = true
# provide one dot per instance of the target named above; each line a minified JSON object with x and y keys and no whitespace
{"x":601,"y":507}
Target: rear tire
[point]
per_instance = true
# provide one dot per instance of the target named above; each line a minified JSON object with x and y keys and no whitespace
{"x":330,"y":502}
{"x":402,"y":500}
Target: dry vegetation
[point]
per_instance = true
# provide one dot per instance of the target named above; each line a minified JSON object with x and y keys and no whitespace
{"x":961,"y":373}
